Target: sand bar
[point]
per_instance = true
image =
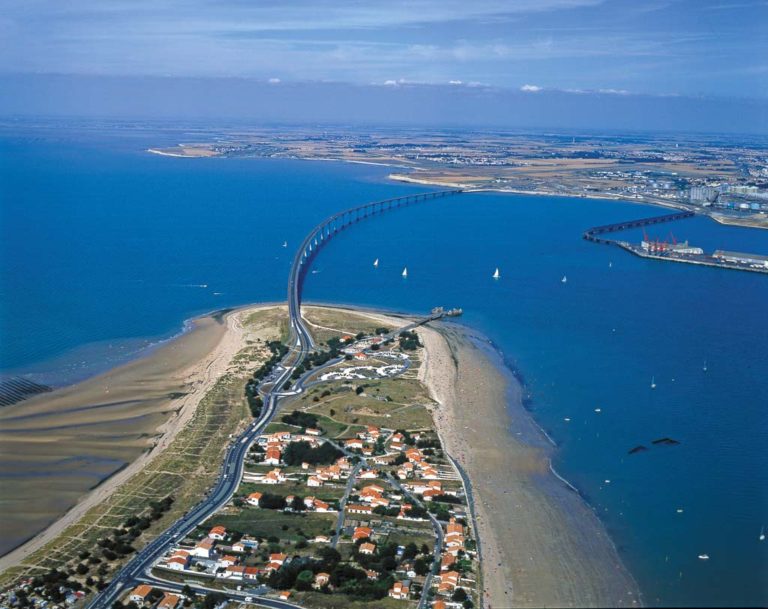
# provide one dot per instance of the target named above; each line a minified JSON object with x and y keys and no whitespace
{"x":96,"y":434}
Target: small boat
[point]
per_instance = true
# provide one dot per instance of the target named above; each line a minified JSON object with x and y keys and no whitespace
{"x":564,"y":279}
{"x":598,"y":410}
{"x":496,"y":273}
{"x":610,"y":265}
{"x":704,"y":368}
{"x":762,"y":534}
{"x":703,"y":556}
{"x":405,"y":272}
{"x":285,"y":244}
{"x":376,"y":263}
{"x":653,"y":383}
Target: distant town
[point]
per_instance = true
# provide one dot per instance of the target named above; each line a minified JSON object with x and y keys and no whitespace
{"x":716,"y":176}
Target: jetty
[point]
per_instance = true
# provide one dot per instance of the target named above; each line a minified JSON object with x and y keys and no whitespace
{"x":756,"y":263}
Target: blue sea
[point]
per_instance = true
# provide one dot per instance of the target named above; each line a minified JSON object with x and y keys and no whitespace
{"x":107,"y":249}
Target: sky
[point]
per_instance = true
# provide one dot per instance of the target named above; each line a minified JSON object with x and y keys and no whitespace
{"x":711,"y":52}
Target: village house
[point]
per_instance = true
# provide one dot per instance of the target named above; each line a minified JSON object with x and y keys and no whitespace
{"x":368,"y":474}
{"x":359,"y":509}
{"x":251,"y":573}
{"x":140,"y":593}
{"x":398,"y":442}
{"x":362,"y":533}
{"x":234,"y":572}
{"x":367,"y":548}
{"x":178,"y":561}
{"x":321,"y":579}
{"x":169,"y":601}
{"x":285,"y":595}
{"x":227,"y":561}
{"x":400,"y":590}
{"x":321,"y":506}
{"x":204,"y":548}
{"x":314,"y":481}
{"x":272,"y":456}
{"x":322,"y":539}
{"x":371,"y":574}
{"x":245,"y":543}
{"x":353,"y":443}
{"x":274,"y":476}
{"x":253,"y":499}
{"x":313,"y":432}
{"x":218,"y":533}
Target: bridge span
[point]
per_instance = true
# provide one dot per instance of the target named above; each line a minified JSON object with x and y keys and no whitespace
{"x":319,"y":237}
{"x":591,"y":233}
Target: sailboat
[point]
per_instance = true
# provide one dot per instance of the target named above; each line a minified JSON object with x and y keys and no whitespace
{"x":610,"y":265}
{"x":496,"y":273}
{"x":405,"y":272}
{"x":376,"y":263}
{"x":564,"y":279}
{"x":285,"y":244}
{"x":762,"y":534}
{"x":705,"y":366}
{"x":653,"y":383}
{"x":703,"y":556}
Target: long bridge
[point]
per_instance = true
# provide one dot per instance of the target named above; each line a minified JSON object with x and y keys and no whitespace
{"x":591,"y":233}
{"x":319,"y":236}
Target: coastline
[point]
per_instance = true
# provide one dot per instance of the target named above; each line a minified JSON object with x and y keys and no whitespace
{"x":542,"y":543}
{"x":520,"y":502}
{"x":122,"y":418}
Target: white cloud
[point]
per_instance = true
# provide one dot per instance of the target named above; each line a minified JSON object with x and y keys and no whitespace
{"x":274,"y":81}
{"x":455,"y":82}
{"x":531,"y":88}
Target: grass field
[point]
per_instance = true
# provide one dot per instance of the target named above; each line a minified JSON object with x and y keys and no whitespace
{"x":273,"y":523}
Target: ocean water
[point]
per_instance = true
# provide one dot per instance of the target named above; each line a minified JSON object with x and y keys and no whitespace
{"x":106,"y":249}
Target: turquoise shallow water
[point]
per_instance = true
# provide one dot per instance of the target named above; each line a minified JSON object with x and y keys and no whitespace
{"x":106,"y":249}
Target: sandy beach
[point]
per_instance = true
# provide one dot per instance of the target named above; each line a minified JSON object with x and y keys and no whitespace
{"x":94,"y":435}
{"x":542,"y":544}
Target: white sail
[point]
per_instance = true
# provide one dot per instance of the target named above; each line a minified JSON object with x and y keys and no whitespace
{"x":285,"y":244}
{"x":564,"y":279}
{"x":653,"y":382}
{"x":405,"y":272}
{"x":376,"y":262}
{"x":496,"y":273}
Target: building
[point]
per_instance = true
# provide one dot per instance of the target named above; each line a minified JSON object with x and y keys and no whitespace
{"x":140,"y":593}
{"x":757,"y":260}
{"x":218,"y":533}
{"x":400,"y":590}
{"x":703,"y":194}
{"x":253,"y":499}
{"x":272,"y":456}
{"x":367,"y":548}
{"x":204,"y":548}
{"x":169,"y":601}
{"x":321,"y":579}
{"x":362,"y":533}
